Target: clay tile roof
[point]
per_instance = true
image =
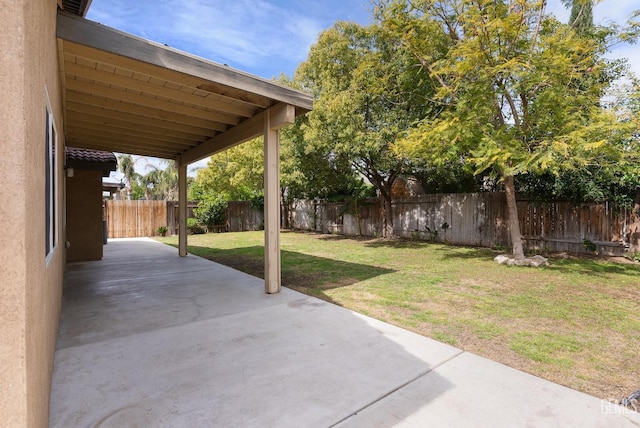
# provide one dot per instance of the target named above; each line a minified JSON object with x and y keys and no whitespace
{"x":91,"y":160}
{"x":77,"y":7}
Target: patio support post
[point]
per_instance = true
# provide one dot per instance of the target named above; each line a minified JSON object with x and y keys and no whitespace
{"x":182,"y":208}
{"x":275,"y":118}
{"x":271,"y":207}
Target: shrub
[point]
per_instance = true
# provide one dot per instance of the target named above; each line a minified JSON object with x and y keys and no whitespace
{"x":162,"y":230}
{"x":211,"y":212}
{"x":195,"y":228}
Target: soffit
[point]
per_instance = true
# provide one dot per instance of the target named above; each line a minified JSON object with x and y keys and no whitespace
{"x":77,"y":7}
{"x":126,"y":94}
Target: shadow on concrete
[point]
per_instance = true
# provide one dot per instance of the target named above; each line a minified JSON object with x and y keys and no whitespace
{"x":187,"y":342}
{"x":303,"y":272}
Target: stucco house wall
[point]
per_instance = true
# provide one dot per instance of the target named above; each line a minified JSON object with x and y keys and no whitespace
{"x":84,"y":216}
{"x":30,"y":282}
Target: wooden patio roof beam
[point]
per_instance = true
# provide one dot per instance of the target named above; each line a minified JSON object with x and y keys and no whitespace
{"x":92,"y":34}
{"x":281,"y":114}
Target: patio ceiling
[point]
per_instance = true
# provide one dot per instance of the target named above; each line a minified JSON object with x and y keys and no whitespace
{"x":126,"y":94}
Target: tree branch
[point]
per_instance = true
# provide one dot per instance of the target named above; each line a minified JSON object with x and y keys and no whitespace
{"x":534,"y":39}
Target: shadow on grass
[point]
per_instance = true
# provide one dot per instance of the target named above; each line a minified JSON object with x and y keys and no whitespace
{"x":558,"y":262}
{"x":302,"y":272}
{"x":395,"y":243}
{"x":594,"y":267}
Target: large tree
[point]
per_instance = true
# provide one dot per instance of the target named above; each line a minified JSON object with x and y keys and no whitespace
{"x":308,"y":170}
{"x":367,"y":90}
{"x":235,"y":174}
{"x":161,"y":182}
{"x":520,"y":92}
{"x":581,"y":17}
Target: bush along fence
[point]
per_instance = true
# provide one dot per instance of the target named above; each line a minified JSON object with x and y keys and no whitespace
{"x":477,"y":219}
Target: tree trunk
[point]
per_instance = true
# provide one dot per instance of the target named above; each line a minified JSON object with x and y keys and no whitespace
{"x":387,"y":216}
{"x":514,"y":224}
{"x":634,"y":235}
{"x":284,"y":213}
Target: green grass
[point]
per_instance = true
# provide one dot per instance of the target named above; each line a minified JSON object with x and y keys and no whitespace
{"x":575,"y":322}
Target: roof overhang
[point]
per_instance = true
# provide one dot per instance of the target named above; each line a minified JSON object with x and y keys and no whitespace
{"x":126,"y":94}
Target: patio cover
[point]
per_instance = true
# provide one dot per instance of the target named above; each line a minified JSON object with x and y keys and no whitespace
{"x":126,"y":94}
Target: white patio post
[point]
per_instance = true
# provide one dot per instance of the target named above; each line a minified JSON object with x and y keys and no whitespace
{"x":182,"y":208}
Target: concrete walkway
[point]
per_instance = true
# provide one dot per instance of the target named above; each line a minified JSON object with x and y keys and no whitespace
{"x":148,"y":339}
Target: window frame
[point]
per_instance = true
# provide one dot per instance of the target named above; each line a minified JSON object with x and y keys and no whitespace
{"x":51,"y":183}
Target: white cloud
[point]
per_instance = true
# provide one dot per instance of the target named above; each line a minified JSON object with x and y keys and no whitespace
{"x":264,"y":37}
{"x":245,"y":33}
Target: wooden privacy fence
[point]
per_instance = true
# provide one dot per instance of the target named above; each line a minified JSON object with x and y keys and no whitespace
{"x":129,"y":219}
{"x":478,"y":219}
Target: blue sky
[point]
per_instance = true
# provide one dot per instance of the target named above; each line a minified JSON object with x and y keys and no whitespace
{"x":261,"y":37}
{"x":270,"y":37}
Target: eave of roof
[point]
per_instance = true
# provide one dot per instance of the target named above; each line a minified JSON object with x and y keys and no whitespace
{"x":92,"y":160}
{"x":130,"y":95}
{"x":77,"y":7}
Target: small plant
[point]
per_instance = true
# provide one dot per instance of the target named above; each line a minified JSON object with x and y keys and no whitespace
{"x":500,"y":247}
{"x":590,"y":246}
{"x":162,"y":230}
{"x":634,"y":256}
{"x":432,"y":235}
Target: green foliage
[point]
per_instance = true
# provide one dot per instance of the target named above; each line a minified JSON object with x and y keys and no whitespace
{"x":633,"y":256}
{"x":211,"y":211}
{"x":367,"y":91}
{"x":590,"y":246}
{"x":161,"y":183}
{"x":581,"y":15}
{"x":519,"y":92}
{"x":234,"y":175}
{"x":162,"y":230}
{"x":308,"y":170}
{"x":257,"y":202}
{"x":157,"y":184}
{"x":194,"y":227}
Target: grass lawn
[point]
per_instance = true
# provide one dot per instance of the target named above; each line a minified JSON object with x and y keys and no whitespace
{"x":576,"y":322}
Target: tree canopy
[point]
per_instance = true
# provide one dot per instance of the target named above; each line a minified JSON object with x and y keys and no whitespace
{"x":455,"y":92}
{"x":519,"y":91}
{"x":367,"y":91}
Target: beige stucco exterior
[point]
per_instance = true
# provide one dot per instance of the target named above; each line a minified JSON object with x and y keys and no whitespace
{"x":84,"y":216}
{"x":36,"y":40}
{"x":31,"y":285}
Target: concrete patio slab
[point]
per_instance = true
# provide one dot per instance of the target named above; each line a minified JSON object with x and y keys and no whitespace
{"x":150,"y":339}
